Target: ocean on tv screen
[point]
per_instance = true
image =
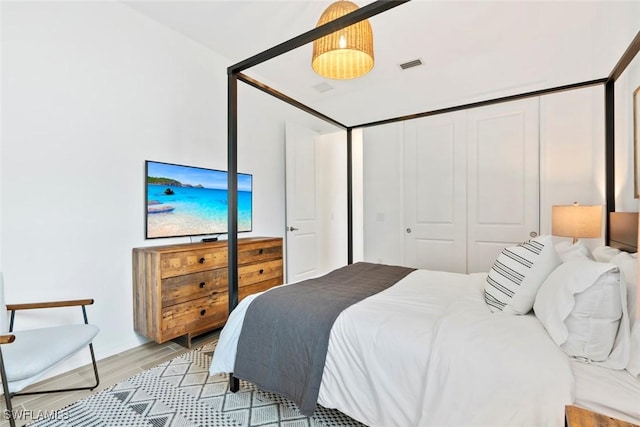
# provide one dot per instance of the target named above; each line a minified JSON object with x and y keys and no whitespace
{"x":183,"y":211}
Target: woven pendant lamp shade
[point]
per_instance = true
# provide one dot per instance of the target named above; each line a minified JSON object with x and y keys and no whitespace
{"x":347,"y":53}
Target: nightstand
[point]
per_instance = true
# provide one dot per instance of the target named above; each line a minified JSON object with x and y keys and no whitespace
{"x":580,"y":417}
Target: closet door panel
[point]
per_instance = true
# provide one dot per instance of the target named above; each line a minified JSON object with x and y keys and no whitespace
{"x":302,"y":239}
{"x":503,"y":179}
{"x":434,"y":176}
{"x":498,"y":173}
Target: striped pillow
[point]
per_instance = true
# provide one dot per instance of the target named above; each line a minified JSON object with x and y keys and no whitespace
{"x":517,"y":273}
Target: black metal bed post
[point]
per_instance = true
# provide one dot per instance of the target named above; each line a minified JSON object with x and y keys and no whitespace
{"x":609,"y":156}
{"x":232,"y":199}
{"x":349,"y":196}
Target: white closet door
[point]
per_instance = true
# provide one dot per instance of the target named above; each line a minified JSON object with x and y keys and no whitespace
{"x":503,"y":179}
{"x":302,"y":249}
{"x":435,"y":193}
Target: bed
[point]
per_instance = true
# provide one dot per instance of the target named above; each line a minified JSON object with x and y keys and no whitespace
{"x":447,"y":362}
{"x":429,"y":351}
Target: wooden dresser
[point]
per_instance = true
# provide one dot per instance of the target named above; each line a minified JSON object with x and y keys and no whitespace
{"x":180,"y":291}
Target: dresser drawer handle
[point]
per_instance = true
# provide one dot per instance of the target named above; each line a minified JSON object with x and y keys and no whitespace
{"x":202,"y":285}
{"x":261,"y":271}
{"x":261,"y":251}
{"x":202,"y":260}
{"x":203,"y":312}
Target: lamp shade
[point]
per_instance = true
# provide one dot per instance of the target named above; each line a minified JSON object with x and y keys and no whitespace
{"x":346,"y":53}
{"x":576,"y":221}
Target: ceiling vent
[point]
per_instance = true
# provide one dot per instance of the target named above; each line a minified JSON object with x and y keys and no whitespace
{"x":411,"y":64}
{"x":323,"y":87}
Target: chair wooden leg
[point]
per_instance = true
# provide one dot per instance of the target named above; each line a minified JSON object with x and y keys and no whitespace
{"x":8,"y":413}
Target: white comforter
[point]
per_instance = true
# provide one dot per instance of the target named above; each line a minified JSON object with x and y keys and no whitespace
{"x":428,"y":352}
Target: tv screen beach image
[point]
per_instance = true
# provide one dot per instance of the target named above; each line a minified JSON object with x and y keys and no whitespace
{"x":187,"y":201}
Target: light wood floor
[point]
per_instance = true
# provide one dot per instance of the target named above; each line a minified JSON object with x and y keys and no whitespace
{"x":111,"y":370}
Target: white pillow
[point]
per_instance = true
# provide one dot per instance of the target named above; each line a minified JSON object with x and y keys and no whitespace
{"x":517,"y":273}
{"x":568,"y":251}
{"x":605,"y":253}
{"x":582,"y":305}
{"x":628,"y":264}
{"x":634,"y":358}
{"x":629,"y":267}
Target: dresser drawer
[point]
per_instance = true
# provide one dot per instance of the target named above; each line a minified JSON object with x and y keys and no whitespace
{"x":202,"y":313}
{"x":185,"y":262}
{"x":260,"y":251}
{"x":179,"y":289}
{"x":244,"y":291}
{"x":254,"y":273}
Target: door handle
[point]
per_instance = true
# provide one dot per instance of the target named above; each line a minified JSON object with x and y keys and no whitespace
{"x":291,"y":229}
{"x":533,"y":234}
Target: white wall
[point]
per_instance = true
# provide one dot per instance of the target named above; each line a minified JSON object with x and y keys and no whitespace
{"x":572,"y":169}
{"x":383,"y":159}
{"x":572,"y":149}
{"x":357,"y":196}
{"x":331,"y":197}
{"x":89,"y":91}
{"x":331,"y":185}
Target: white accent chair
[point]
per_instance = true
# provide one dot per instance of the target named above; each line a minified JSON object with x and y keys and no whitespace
{"x":25,"y":356}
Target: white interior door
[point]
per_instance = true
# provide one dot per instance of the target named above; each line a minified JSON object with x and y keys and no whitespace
{"x":302,"y":240}
{"x":435,"y":192}
{"x":503,"y":179}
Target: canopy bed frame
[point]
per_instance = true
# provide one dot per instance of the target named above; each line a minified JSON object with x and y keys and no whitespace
{"x":235,"y":74}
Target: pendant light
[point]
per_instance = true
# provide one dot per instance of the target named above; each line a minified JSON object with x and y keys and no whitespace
{"x":346,"y":53}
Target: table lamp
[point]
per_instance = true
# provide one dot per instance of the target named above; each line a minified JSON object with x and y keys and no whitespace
{"x":576,"y":221}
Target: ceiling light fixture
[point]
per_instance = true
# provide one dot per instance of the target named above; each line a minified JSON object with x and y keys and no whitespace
{"x":346,"y":53}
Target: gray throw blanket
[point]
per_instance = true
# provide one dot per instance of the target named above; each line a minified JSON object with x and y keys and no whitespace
{"x":285,"y":335}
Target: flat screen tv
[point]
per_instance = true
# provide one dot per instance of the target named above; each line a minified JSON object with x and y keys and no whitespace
{"x":191,"y":201}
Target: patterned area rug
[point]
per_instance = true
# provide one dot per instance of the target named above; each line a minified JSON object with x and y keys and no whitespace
{"x":181,"y":392}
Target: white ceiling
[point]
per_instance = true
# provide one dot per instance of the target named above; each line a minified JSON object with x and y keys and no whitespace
{"x":472,"y":50}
